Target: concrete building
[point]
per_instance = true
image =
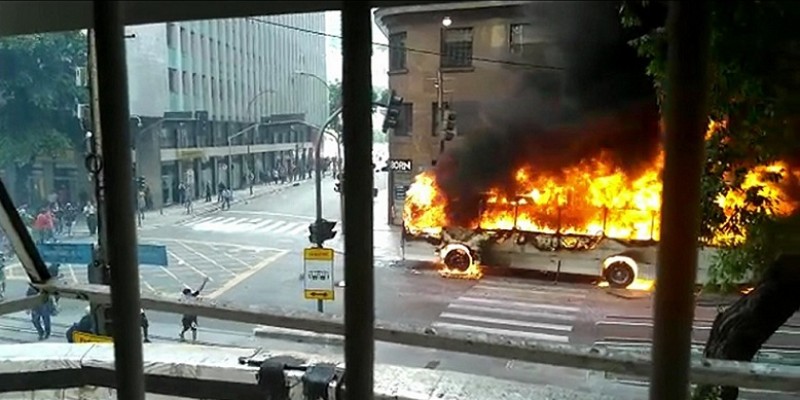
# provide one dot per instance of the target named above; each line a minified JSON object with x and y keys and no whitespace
{"x":483,"y":50}
{"x":198,"y":89}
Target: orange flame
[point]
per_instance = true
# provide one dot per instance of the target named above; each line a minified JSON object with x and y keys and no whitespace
{"x":592,"y":197}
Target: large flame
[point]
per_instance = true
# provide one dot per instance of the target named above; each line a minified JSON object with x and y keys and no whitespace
{"x":592,"y":197}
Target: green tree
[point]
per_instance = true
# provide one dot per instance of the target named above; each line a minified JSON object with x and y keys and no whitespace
{"x":38,"y":99}
{"x":380,"y":95}
{"x":754,"y":53}
{"x":754,"y":56}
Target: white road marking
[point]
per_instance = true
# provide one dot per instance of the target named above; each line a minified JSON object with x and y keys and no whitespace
{"x":503,"y":332}
{"x":513,"y":322}
{"x":72,"y":273}
{"x":168,"y":272}
{"x":519,"y":313}
{"x":273,"y":214}
{"x":530,"y":290}
{"x":190,"y":266}
{"x":504,"y":303}
{"x":204,"y":243}
{"x":149,"y":286}
{"x":203,"y":256}
{"x":527,"y":286}
{"x":241,"y":277}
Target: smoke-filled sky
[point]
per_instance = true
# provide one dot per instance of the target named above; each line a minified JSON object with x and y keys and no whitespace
{"x":607,"y":104}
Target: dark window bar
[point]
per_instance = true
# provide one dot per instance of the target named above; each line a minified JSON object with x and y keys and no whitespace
{"x":686,"y":118}
{"x":120,"y":243}
{"x":685,"y":125}
{"x":359,"y":301}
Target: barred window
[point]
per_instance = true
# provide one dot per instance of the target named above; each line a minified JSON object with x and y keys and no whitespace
{"x":405,"y":120}
{"x":456,"y":48}
{"x":397,"y":51}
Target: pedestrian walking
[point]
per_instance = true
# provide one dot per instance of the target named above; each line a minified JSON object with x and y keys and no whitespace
{"x":141,"y":206}
{"x":90,"y":213}
{"x":227,"y":196}
{"x":189,"y":321}
{"x":208,"y":192}
{"x":40,"y":315}
{"x":145,"y":324}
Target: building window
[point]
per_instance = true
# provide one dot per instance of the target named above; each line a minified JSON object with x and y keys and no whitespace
{"x":173,"y":80}
{"x":435,"y":117}
{"x":172,"y":35}
{"x":456,"y":51}
{"x":397,"y":51}
{"x":185,"y":82}
{"x":184,"y":41}
{"x":195,"y":85}
{"x":523,"y":41}
{"x":213,"y":88}
{"x":405,"y":121}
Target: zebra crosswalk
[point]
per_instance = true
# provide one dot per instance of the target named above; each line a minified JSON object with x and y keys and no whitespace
{"x":225,"y":224}
{"x":515,"y":309}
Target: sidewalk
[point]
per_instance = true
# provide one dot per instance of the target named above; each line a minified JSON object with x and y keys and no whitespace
{"x":176,"y":213}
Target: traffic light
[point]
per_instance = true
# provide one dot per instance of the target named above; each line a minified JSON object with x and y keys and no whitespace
{"x":449,"y":125}
{"x":392,"y":112}
{"x":320,"y":231}
{"x":140,"y":183}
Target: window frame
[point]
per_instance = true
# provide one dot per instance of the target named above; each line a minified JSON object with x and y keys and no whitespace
{"x":449,"y":49}
{"x":398,"y":53}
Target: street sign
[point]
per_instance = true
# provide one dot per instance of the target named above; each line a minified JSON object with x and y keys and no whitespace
{"x":66,"y":253}
{"x":153,"y":254}
{"x":400,"y":165}
{"x":83,"y":337}
{"x":318,"y":273}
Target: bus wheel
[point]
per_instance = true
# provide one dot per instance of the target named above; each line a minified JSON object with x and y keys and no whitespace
{"x":619,"y":274}
{"x":458,"y":258}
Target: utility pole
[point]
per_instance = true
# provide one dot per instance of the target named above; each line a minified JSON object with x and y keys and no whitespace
{"x":439,"y":84}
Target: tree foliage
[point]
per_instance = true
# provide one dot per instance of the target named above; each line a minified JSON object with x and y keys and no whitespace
{"x":38,"y":95}
{"x":754,"y":55}
{"x":380,"y":95}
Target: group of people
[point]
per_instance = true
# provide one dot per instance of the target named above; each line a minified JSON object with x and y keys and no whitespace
{"x":87,"y":323}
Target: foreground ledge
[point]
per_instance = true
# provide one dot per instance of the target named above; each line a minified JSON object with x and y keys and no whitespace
{"x":86,"y":371}
{"x":703,"y":371}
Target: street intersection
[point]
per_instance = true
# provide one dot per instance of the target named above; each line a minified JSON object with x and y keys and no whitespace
{"x":252,"y":255}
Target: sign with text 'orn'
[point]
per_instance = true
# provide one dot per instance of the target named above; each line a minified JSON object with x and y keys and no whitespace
{"x":318,"y":273}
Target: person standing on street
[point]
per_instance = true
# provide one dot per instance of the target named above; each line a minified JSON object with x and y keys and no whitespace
{"x":208,"y":192}
{"x":189,"y":321}
{"x":90,"y":212}
{"x":40,"y":315}
{"x":141,"y":206}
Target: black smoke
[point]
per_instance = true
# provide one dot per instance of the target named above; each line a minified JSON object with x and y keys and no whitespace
{"x":601,"y":100}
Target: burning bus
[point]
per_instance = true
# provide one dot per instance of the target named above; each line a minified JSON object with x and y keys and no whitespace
{"x":592,"y":218}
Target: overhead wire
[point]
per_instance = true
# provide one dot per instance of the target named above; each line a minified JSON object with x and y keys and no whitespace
{"x":408,"y":49}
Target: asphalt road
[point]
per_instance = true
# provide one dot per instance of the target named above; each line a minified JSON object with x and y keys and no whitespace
{"x":252,"y":255}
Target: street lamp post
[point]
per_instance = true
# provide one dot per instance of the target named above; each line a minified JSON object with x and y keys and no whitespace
{"x":230,"y":149}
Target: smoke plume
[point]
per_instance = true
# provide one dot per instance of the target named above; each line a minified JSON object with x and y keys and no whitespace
{"x":600,"y":102}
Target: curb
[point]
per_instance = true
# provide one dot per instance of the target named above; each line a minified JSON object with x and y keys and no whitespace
{"x":299,"y":336}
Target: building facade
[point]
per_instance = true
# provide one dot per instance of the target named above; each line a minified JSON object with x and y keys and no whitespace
{"x":483,"y":52}
{"x":224,"y":101}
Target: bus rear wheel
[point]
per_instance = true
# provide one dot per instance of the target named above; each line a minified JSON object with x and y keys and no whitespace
{"x":619,"y":274}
